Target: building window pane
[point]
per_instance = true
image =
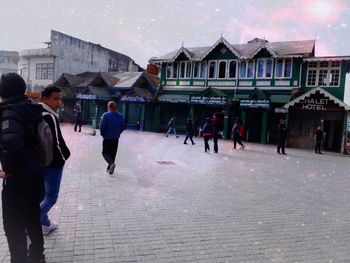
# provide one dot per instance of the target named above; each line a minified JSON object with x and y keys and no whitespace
{"x":168,"y":70}
{"x":232,"y":70}
{"x":287,"y":68}
{"x":188,"y":70}
{"x":212,"y":69}
{"x":44,"y":71}
{"x":261,"y":64}
{"x":175,"y":70}
{"x":222,"y":70}
{"x":334,"y":77}
{"x":243,"y":69}
{"x":311,"y":77}
{"x":195,"y":70}
{"x":268,"y":72}
{"x":203,"y":70}
{"x":279,"y":68}
{"x":182,"y":70}
{"x":250,"y":72}
{"x":322,"y":77}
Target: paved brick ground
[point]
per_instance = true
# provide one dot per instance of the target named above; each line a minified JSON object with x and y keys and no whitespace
{"x":235,"y":206}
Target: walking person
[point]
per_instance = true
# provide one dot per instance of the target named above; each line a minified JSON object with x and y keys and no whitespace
{"x":22,"y":174}
{"x":216,"y":130}
{"x":189,"y":131}
{"x":281,"y":137}
{"x":51,"y":100}
{"x":319,"y":137}
{"x":78,"y":119}
{"x":171,"y":127}
{"x":236,"y":134}
{"x":207,"y":134}
{"x":111,"y":126}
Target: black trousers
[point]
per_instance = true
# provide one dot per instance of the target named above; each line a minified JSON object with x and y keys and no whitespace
{"x":78,"y":124}
{"x":206,"y":144}
{"x":281,"y":145}
{"x":189,"y":136}
{"x":20,"y":212}
{"x":215,"y":140}
{"x":237,"y":139}
{"x":318,"y":147}
{"x":109,"y":150}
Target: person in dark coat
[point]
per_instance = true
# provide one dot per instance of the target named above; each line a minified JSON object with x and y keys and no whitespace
{"x":23,"y":183}
{"x":51,"y":101}
{"x":281,"y":137}
{"x":78,"y":120}
{"x":319,"y":137}
{"x":236,"y":134}
{"x":207,"y":133}
{"x":189,"y":131}
{"x":216,"y":131}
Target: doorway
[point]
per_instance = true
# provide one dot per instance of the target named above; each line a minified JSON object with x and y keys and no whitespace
{"x":333,"y":135}
{"x":253,"y":125}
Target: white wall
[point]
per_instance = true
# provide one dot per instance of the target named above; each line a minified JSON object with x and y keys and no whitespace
{"x":347,"y":90}
{"x":8,"y":62}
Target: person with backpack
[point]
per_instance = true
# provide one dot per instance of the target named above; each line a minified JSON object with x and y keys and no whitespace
{"x":51,"y":101}
{"x":237,"y":134}
{"x":189,"y":131}
{"x":111,"y":126}
{"x":207,"y":133}
{"x":22,"y":173}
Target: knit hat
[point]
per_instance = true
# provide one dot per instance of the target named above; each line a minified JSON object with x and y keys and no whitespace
{"x":11,"y":84}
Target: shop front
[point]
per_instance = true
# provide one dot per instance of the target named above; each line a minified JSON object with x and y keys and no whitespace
{"x":317,"y":108}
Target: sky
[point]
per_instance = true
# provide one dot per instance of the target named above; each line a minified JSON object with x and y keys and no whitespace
{"x":143,"y":29}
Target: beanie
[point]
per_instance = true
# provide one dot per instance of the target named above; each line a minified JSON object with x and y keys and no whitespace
{"x":11,"y":84}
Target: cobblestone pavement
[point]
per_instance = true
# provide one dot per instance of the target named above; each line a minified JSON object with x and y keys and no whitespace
{"x":247,"y":205}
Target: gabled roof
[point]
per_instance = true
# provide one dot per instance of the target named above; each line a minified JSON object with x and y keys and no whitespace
{"x":221,"y":41}
{"x":303,"y":48}
{"x":313,"y":91}
{"x":212,"y":92}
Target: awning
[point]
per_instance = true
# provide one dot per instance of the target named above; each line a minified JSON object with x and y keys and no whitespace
{"x":280,"y":98}
{"x":238,"y":97}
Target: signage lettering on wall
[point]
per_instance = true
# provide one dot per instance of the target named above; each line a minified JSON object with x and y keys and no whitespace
{"x":133,"y":99}
{"x":208,"y":100}
{"x":314,"y":104}
{"x":254,"y":104}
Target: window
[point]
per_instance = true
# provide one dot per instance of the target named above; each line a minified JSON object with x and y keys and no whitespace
{"x":212,"y":69}
{"x":264,"y":68}
{"x":175,"y":69}
{"x":283,"y":68}
{"x":243,"y":70}
{"x":323,"y":73}
{"x":188,"y":70}
{"x":247,"y":69}
{"x":203,"y":66}
{"x":44,"y":71}
{"x":222,"y":69}
{"x":169,"y":69}
{"x":182,"y":70}
{"x":196,"y":69}
{"x":232,"y":70}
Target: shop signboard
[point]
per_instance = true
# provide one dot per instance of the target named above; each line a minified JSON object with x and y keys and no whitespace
{"x":133,"y":99}
{"x":281,"y":110}
{"x":254,"y":104}
{"x":86,"y":96}
{"x":318,"y":104}
{"x":208,"y":100}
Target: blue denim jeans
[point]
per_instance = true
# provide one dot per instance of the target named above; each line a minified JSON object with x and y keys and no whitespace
{"x":52,"y":181}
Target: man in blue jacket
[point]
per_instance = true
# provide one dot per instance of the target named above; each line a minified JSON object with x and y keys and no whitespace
{"x":111,"y":126}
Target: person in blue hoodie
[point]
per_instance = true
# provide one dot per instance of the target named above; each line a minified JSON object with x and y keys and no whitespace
{"x":111,"y":126}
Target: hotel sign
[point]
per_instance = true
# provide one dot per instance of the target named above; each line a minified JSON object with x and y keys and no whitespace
{"x":254,"y":104}
{"x":208,"y":100}
{"x":314,"y":104}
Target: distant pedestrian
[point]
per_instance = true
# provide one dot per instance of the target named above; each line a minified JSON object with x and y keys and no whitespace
{"x":171,"y":127}
{"x":216,"y":131}
{"x":23,"y":184}
{"x":237,"y":134}
{"x":111,"y":126}
{"x":51,"y":101}
{"x":78,"y":119}
{"x":137,"y":126}
{"x":207,"y":134}
{"x":195,"y":128}
{"x":281,"y":137}
{"x":319,"y":137}
{"x":189,"y":131}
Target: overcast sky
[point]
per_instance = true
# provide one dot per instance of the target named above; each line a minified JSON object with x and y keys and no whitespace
{"x":142,"y":29}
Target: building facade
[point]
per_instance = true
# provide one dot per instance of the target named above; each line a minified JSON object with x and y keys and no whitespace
{"x":8,"y":61}
{"x":253,"y":82}
{"x":67,"y":54}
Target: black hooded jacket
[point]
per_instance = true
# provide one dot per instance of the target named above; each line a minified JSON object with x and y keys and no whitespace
{"x":19,"y":116}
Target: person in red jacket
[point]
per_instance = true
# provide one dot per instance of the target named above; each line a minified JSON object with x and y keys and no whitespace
{"x":207,"y":133}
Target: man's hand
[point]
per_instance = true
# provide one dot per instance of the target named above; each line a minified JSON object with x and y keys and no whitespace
{"x":3,"y":175}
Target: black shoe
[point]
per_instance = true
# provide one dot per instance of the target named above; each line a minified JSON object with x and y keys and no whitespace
{"x":320,"y":153}
{"x":193,"y":143}
{"x":284,"y":153}
{"x":278,"y":152}
{"x":185,"y":142}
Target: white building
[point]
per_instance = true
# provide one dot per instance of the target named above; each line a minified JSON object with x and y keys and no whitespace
{"x":8,"y":61}
{"x":67,"y":54}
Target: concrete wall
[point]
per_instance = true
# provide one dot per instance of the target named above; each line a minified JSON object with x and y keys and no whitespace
{"x":8,"y":61}
{"x":74,"y":56}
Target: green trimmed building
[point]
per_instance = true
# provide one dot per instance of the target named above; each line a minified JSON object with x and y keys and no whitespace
{"x":259,"y":82}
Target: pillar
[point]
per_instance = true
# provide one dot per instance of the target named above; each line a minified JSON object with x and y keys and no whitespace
{"x":142,"y":120}
{"x":264,"y":127}
{"x":192,"y":111}
{"x":225,"y":123}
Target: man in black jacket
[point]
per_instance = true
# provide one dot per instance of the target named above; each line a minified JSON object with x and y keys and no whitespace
{"x":51,"y":102}
{"x":21,"y":171}
{"x":319,"y":137}
{"x":281,"y":137}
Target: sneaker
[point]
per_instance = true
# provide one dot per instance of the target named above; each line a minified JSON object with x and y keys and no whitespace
{"x":107,"y":170}
{"x":111,"y":168}
{"x":48,"y":229}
